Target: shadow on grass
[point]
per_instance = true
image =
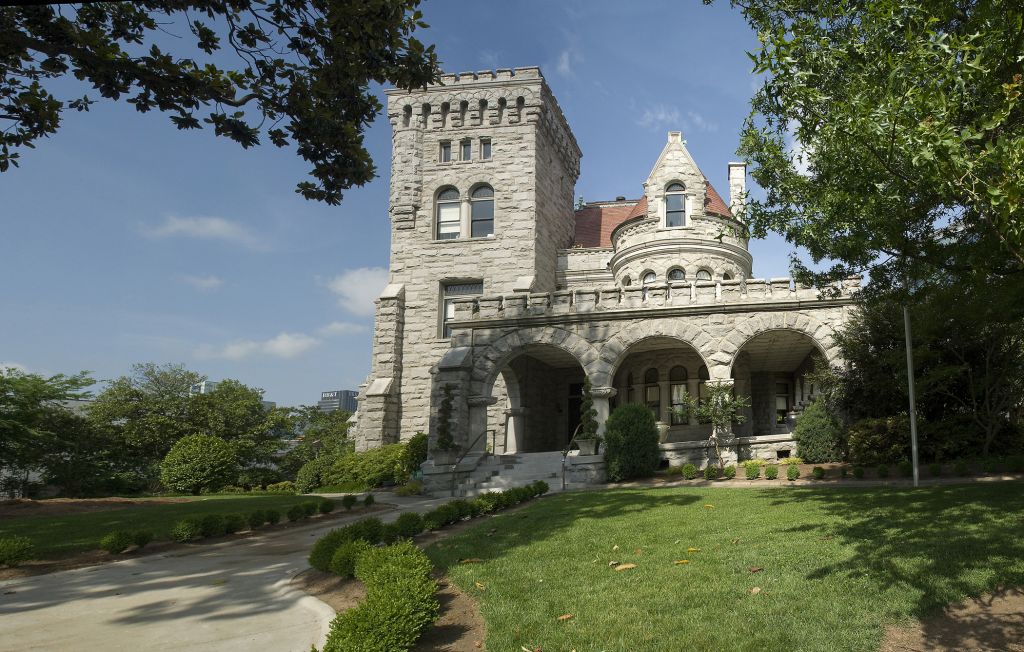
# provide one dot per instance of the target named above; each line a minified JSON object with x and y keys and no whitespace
{"x":947,"y":543}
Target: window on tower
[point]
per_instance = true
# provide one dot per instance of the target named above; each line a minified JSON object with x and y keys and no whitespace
{"x":448,"y":219}
{"x":466,"y":150}
{"x":446,"y":151}
{"x":485,"y":149}
{"x":482,"y":212}
{"x":675,"y":205}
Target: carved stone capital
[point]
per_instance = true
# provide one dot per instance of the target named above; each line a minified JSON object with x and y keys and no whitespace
{"x":478,"y":401}
{"x":603,"y":392}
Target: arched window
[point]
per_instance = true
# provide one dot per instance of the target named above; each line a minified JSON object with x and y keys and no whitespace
{"x":482,"y":214}
{"x":652,"y":392}
{"x":675,"y":205}
{"x":727,"y":277}
{"x":649,"y":278}
{"x":626,"y":281}
{"x":448,"y":214}
{"x":703,"y":275}
{"x":676,"y":274}
{"x":677,"y":376}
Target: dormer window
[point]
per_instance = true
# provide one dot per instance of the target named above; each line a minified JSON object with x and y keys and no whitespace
{"x":675,"y":205}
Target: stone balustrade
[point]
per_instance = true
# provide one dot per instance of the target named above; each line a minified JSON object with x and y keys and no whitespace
{"x":663,"y":295}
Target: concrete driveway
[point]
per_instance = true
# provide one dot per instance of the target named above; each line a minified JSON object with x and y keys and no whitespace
{"x":233,"y":595}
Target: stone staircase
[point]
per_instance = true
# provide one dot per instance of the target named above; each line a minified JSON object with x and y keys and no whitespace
{"x":500,"y":472}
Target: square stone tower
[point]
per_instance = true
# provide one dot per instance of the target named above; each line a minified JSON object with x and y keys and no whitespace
{"x":483,"y":171}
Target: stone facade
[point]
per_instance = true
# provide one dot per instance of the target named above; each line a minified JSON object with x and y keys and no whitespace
{"x":650,"y":298}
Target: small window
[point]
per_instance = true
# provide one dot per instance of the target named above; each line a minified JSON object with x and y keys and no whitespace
{"x":675,"y":205}
{"x":703,"y":275}
{"x":482,"y":212}
{"x":727,"y":277}
{"x":649,"y":278}
{"x":452,"y":291}
{"x":485,"y":149}
{"x":466,"y":152}
{"x":676,"y":274}
{"x":626,"y":281}
{"x":448,"y":219}
{"x":446,"y":151}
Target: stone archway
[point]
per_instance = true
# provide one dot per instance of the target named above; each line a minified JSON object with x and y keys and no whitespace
{"x":614,"y":350}
{"x":489,"y":360}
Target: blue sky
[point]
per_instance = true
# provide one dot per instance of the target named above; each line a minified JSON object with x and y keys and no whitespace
{"x":123,"y":240}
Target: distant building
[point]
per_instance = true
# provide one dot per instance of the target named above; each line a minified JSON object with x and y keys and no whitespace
{"x":338,"y":399}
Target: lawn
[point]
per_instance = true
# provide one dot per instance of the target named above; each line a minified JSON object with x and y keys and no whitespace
{"x":837,"y":565}
{"x":55,"y":536}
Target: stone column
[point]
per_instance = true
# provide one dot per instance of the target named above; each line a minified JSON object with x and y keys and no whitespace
{"x":464,"y":217}
{"x":514,"y":421}
{"x":601,"y":396}
{"x":478,"y":422}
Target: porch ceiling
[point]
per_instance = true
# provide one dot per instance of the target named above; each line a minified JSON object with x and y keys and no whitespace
{"x":551,"y":356}
{"x":778,"y":351}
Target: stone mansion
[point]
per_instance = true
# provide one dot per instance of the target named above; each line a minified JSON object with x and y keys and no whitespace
{"x":503,"y":289}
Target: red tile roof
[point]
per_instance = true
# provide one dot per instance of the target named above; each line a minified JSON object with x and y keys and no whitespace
{"x":596,"y":220}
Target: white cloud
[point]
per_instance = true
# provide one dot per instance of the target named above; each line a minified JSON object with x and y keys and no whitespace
{"x":285,"y":345}
{"x":696,"y":121}
{"x":203,"y":283}
{"x":208,"y":228}
{"x":340,"y":328}
{"x":567,"y":60}
{"x":659,"y":116}
{"x":357,"y":289}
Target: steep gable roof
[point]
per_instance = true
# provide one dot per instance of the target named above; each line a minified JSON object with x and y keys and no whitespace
{"x":596,"y":221}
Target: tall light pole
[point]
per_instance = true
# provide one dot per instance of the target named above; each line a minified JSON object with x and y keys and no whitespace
{"x":910,"y":383}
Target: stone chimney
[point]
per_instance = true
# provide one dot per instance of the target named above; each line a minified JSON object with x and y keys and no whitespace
{"x":737,"y":187}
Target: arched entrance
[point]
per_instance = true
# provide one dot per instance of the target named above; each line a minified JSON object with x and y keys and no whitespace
{"x":661,"y":372}
{"x":772,"y":369}
{"x":538,"y":407}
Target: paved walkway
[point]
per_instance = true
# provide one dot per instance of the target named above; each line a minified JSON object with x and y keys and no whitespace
{"x":233,"y":595}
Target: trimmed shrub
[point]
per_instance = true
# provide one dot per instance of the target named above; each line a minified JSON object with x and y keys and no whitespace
{"x":234,"y":523}
{"x":906,"y":469}
{"x":409,"y":524}
{"x":541,"y":487}
{"x":711,"y":472}
{"x":187,"y":529}
{"x":323,"y":550}
{"x":793,"y":472}
{"x":310,"y":507}
{"x":348,"y":501}
{"x":343,"y":562}
{"x":400,"y":602}
{"x":389,"y":533}
{"x":141,"y":538}
{"x":858,"y":472}
{"x":689,"y":471}
{"x":257,"y":518}
{"x":311,"y":474}
{"x":791,"y":460}
{"x":631,"y":443}
{"x":117,"y":541}
{"x":883,"y":470}
{"x":273,"y":516}
{"x":367,"y":529}
{"x":296,"y":513}
{"x":771,"y":472}
{"x":368,"y":469}
{"x":818,"y":473}
{"x":286,"y":487}
{"x":198,"y":462}
{"x":410,"y":488}
{"x":325,"y":506}
{"x":818,"y":435}
{"x":935,"y":469}
{"x":415,"y":452}
{"x":368,"y":500}
{"x":961,"y":469}
{"x":753,"y":470}
{"x":729,"y":472}
{"x":212,"y":525}
{"x":878,"y":441}
{"x":15,"y":550}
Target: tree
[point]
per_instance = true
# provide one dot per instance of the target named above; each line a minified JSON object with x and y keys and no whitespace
{"x":198,"y":462}
{"x":29,"y":407}
{"x":301,"y":74}
{"x":588,"y":415}
{"x":721,"y":409}
{"x":235,"y":413}
{"x":889,"y":136}
{"x":318,"y":433}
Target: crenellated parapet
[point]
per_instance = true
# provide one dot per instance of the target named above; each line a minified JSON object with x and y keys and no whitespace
{"x":750,"y":294}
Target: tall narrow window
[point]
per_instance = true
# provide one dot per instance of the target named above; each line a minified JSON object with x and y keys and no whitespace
{"x":452,"y":291}
{"x":485,"y":149}
{"x":652,"y":392}
{"x":466,"y":150}
{"x":703,"y":275}
{"x":675,"y":205}
{"x":677,"y":392}
{"x":446,"y":151}
{"x":483,"y":212}
{"x":448,"y":214}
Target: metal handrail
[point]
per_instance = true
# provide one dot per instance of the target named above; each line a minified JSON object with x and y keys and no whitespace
{"x":463,"y":456}
{"x":565,"y":452}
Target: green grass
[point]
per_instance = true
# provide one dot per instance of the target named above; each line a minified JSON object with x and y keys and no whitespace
{"x":838,"y":565}
{"x":55,"y":536}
